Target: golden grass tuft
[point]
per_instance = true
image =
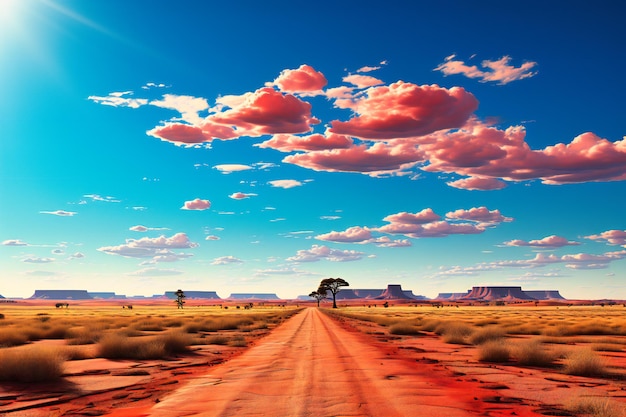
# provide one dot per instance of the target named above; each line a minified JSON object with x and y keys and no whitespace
{"x":405,"y":329}
{"x":534,"y":353}
{"x":585,"y":362}
{"x":596,"y":407}
{"x":12,"y":337}
{"x":487,"y":334}
{"x":454,"y":332}
{"x":31,"y":364}
{"x":495,"y":350}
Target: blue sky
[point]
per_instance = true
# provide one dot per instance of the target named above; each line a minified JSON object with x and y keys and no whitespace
{"x":248,"y":146}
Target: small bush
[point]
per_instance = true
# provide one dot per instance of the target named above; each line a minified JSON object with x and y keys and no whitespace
{"x":534,"y":353}
{"x":495,"y":350}
{"x":405,"y":329}
{"x":455,"y":333}
{"x":31,"y":364}
{"x":216,"y":340}
{"x":585,"y":362}
{"x":238,"y":342}
{"x":11,"y":337}
{"x":176,"y":342}
{"x":1,"y":316}
{"x":486,"y":334}
{"x":114,"y":346}
{"x":595,"y":407}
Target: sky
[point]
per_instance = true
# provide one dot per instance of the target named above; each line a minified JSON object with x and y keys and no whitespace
{"x":246,"y":146}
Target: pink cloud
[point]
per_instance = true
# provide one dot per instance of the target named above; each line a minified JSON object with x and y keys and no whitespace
{"x":285,"y":183}
{"x":476,"y":183}
{"x":362,"y":81}
{"x":180,"y":133}
{"x":151,"y":247}
{"x":499,"y":71}
{"x":317,"y":253}
{"x":241,"y":196}
{"x":425,"y":216}
{"x":351,"y":235}
{"x":403,"y":110}
{"x":197,"y":204}
{"x":479,"y":214}
{"x":303,"y":79}
{"x":547,"y":242}
{"x":386,"y":242}
{"x":613,"y":237}
{"x":315,"y":142}
{"x":377,"y":159}
{"x":267,"y":112}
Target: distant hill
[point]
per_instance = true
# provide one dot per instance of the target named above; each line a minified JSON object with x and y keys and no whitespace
{"x":252,"y":296}
{"x":61,"y":295}
{"x":191,"y":295}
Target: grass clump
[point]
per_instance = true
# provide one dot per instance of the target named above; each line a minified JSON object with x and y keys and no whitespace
{"x":534,"y":353}
{"x":405,"y":329}
{"x":31,"y":364}
{"x":455,"y":333}
{"x":116,"y":346}
{"x":585,"y":362}
{"x":487,"y":334}
{"x":216,"y":340}
{"x":11,"y":337}
{"x":596,"y":407}
{"x":495,"y":350}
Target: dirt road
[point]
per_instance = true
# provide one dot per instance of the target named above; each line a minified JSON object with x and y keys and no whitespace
{"x":311,"y":366}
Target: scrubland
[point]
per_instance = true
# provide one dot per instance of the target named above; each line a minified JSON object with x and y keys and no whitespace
{"x":36,"y":341}
{"x":588,"y":342}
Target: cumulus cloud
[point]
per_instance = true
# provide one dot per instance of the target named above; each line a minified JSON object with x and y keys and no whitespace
{"x":226,"y":260}
{"x":499,"y":71}
{"x":212,"y":237}
{"x":317,"y":253}
{"x":61,"y":213}
{"x":14,"y":242}
{"x":119,"y":99}
{"x":302,"y":80}
{"x":230,"y":168}
{"x":612,"y":237}
{"x":150,"y":247}
{"x":76,"y":255}
{"x":315,"y":142}
{"x":476,"y":183}
{"x":140,"y":228}
{"x":105,"y":199}
{"x":37,"y":260}
{"x":241,"y":196}
{"x":196,"y":204}
{"x":285,"y":183}
{"x":189,"y":107}
{"x":479,"y":214}
{"x":403,"y":110}
{"x":547,"y":242}
{"x":350,"y":235}
{"x":189,"y":135}
{"x":362,"y":81}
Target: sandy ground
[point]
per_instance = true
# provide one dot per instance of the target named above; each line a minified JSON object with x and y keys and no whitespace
{"x":313,"y":366}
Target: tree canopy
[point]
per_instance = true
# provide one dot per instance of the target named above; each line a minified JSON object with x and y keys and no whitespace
{"x":319,"y":295}
{"x":334,"y":286}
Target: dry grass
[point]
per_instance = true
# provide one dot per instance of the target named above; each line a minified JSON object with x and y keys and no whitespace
{"x":12,"y":337}
{"x":405,"y":328}
{"x":596,"y":407}
{"x":534,"y":353}
{"x":495,"y":350}
{"x":585,"y":362}
{"x":31,"y":364}
{"x":487,"y":334}
{"x":454,"y":332}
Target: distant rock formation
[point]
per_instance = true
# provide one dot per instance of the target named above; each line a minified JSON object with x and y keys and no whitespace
{"x":252,"y":296}
{"x":545,"y":294}
{"x":346,"y":294}
{"x":368,"y":293}
{"x":409,"y":293}
{"x":393,"y":292}
{"x":192,"y":295}
{"x":497,"y":293}
{"x":451,"y":295}
{"x":105,"y":296}
{"x":61,"y":295}
{"x":1,"y":296}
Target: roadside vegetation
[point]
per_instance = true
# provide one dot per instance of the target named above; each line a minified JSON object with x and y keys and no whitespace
{"x":35,"y":343}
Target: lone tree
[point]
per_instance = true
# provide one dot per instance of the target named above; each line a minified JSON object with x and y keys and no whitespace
{"x":319,"y":295}
{"x":334,"y":286}
{"x":180,"y":298}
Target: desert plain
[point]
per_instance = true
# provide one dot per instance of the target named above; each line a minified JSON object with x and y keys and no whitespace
{"x":287,"y":359}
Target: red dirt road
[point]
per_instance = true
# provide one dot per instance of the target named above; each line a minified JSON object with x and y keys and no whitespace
{"x":311,"y":366}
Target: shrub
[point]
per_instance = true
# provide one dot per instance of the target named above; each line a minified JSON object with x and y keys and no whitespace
{"x":495,"y":350}
{"x":11,"y":337}
{"x":534,"y":353}
{"x":405,"y":329}
{"x":595,"y":407}
{"x":31,"y":364}
{"x":487,"y":334}
{"x":238,"y":341}
{"x":453,"y":332}
{"x":216,"y":340}
{"x":83,"y":335}
{"x":585,"y":362}
{"x":114,"y":346}
{"x":176,"y":342}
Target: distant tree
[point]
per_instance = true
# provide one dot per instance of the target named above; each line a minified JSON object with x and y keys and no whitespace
{"x":319,"y":295}
{"x":180,"y":298}
{"x":334,"y":286}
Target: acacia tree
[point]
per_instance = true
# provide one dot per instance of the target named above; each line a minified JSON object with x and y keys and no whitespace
{"x":319,"y":295}
{"x":180,"y":298}
{"x":334,"y":286}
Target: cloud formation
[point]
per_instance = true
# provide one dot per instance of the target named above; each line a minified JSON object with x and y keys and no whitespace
{"x":226,"y":260}
{"x":241,"y":196}
{"x":612,"y":237}
{"x":159,"y":249}
{"x":302,"y":80}
{"x":61,"y":213}
{"x":285,"y":183}
{"x":119,"y":99}
{"x":196,"y":204}
{"x":547,"y":242}
{"x":317,"y":253}
{"x":498,"y":71}
{"x":14,"y":242}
